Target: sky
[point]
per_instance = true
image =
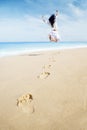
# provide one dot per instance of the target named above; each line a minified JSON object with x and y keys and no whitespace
{"x":20,"y":20}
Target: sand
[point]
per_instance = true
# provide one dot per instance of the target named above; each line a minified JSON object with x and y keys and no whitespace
{"x":44,"y":91}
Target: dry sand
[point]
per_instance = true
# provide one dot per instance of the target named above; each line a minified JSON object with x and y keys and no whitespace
{"x":44,"y":91}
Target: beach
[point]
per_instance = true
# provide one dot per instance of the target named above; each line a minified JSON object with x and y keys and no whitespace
{"x":44,"y":90}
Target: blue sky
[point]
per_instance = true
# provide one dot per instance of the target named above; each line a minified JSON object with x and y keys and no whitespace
{"x":20,"y":20}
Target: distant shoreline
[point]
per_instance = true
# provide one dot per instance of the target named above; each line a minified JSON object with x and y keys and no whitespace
{"x":18,"y":48}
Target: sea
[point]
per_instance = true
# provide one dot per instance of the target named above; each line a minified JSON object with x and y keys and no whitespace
{"x":17,"y":48}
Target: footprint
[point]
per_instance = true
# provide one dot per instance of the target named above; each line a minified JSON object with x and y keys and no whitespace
{"x":47,"y":66}
{"x":52,"y":59}
{"x":44,"y":75}
{"x":25,"y":103}
{"x":56,"y":53}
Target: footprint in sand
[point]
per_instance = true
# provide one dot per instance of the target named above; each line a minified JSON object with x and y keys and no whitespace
{"x":47,"y":66}
{"x":25,"y":103}
{"x":45,"y":72}
{"x":43,"y":75}
{"x":52,"y":59}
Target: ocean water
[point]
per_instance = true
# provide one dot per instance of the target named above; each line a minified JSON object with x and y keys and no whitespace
{"x":16,"y":48}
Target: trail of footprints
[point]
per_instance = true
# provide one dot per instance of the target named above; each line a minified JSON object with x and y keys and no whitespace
{"x":46,"y":69}
{"x":25,"y":102}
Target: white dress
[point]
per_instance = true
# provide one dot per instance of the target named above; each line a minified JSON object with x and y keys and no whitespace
{"x":54,"y":34}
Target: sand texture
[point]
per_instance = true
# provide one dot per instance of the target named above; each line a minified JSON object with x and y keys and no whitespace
{"x":44,"y":91}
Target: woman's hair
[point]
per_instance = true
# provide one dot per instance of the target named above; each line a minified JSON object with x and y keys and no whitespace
{"x":52,"y":19}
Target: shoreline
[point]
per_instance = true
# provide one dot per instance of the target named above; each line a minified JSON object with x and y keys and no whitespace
{"x":40,"y":50}
{"x":45,"y":90}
